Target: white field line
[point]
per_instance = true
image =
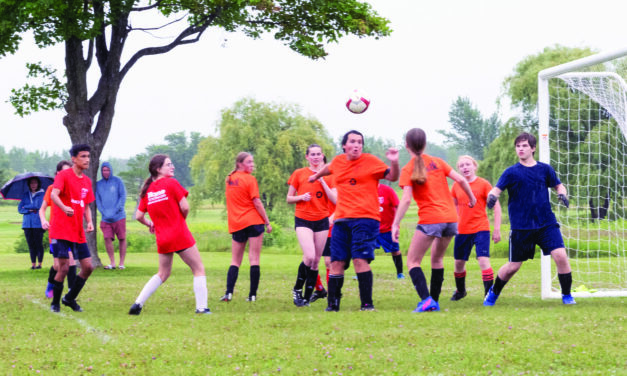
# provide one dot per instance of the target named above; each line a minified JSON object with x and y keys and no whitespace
{"x":104,"y":338}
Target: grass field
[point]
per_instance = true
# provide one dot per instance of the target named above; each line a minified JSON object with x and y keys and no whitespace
{"x":522,"y":334}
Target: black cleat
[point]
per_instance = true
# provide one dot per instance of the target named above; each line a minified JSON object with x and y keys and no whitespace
{"x":332,"y":308}
{"x":367,"y":307}
{"x":458,"y":295}
{"x":318,"y":295}
{"x":136,"y":309}
{"x":301,"y":303}
{"x":297,"y":296}
{"x":72,"y":304}
{"x":55,"y":308}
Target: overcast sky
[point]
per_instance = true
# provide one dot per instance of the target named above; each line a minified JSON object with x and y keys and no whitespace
{"x":439,"y":50}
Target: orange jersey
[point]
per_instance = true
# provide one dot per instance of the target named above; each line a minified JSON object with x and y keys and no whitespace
{"x":48,"y":200}
{"x":241,"y":189}
{"x":317,"y":208}
{"x":435,"y":204}
{"x":475,"y":219}
{"x":356,"y":182}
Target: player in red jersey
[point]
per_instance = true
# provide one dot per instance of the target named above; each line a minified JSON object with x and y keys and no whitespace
{"x":246,"y":218}
{"x":71,"y":194}
{"x":424,"y":178}
{"x":473,"y":227}
{"x":388,"y":203}
{"x":311,"y":220}
{"x":165,"y":201}
{"x":356,"y":223}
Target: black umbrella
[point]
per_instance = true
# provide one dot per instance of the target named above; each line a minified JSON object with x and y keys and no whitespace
{"x":15,"y":188}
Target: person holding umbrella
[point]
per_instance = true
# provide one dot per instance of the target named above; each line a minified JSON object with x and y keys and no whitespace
{"x":29,"y":208}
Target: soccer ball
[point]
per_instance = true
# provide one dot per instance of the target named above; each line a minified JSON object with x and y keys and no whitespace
{"x":357,"y":102}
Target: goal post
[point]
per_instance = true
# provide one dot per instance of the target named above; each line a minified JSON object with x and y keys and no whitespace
{"x":582,"y":113}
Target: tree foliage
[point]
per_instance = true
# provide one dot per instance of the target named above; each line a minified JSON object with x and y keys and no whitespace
{"x":501,"y":153}
{"x":98,"y":31}
{"x":276,"y":135}
{"x":471,"y":132}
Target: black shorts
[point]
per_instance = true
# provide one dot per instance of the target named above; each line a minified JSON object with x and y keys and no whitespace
{"x":327,"y":248}
{"x":62,"y":249}
{"x":244,"y":234}
{"x":315,"y":226}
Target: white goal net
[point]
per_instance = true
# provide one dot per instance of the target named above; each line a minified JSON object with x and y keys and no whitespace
{"x":583,"y":135}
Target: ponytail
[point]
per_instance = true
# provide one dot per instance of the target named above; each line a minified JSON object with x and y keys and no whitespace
{"x":241,"y":156}
{"x":416,"y":141}
{"x":156,"y":162}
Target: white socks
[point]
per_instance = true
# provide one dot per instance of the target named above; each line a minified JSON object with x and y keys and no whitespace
{"x":200,"y":291}
{"x":151,"y":286}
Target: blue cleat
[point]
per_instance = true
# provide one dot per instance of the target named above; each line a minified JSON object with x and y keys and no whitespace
{"x":568,"y":299}
{"x":49,"y":292}
{"x":427,"y":305}
{"x":490,"y":298}
{"x":400,"y":276}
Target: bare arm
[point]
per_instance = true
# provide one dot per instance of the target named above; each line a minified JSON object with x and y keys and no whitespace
{"x":465,"y":186}
{"x":54,"y":196}
{"x":403,"y":205}
{"x":87,"y":215}
{"x":262,"y":211}
{"x":323,"y":172}
{"x":496,"y":234}
{"x":394,"y":172}
{"x":184,"y":206}
{"x":562,"y":195}
{"x":293,"y":198}
{"x":330,"y":192}
{"x":42,"y":216}
{"x":141,"y":218}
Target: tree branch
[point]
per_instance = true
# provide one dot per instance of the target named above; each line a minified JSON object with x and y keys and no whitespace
{"x":149,"y":7}
{"x":158,"y":27}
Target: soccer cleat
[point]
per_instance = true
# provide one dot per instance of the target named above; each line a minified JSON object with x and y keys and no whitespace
{"x":251,"y":298}
{"x":490,"y":298}
{"x":297,"y":295}
{"x":72,"y":304}
{"x":332,"y":308}
{"x":318,"y":294}
{"x":568,"y":299}
{"x":49,"y":291}
{"x":458,"y":295}
{"x":204,"y":311}
{"x":400,"y":276}
{"x":55,"y":308}
{"x":302,"y":302}
{"x":136,"y":309}
{"x":427,"y":305}
{"x":367,"y":307}
{"x":227,"y":297}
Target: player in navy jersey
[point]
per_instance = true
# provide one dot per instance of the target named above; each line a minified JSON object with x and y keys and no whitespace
{"x":531,"y":217}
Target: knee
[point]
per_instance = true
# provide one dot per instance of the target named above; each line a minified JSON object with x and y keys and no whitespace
{"x":163,"y":275}
{"x":86,"y":270}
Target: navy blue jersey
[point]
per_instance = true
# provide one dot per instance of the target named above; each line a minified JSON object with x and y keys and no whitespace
{"x":529,"y":206}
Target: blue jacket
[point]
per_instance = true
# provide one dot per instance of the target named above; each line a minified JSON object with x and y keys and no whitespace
{"x":31,"y":201}
{"x":110,"y":197}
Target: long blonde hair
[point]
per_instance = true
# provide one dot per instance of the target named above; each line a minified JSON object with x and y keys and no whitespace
{"x":416,"y":141}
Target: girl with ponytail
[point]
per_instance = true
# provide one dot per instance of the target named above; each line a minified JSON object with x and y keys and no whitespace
{"x":424,"y":178}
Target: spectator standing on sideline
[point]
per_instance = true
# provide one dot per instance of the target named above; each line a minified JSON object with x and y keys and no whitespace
{"x":29,"y":207}
{"x":110,"y":200}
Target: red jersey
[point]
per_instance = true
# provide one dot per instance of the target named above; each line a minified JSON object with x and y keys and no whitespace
{"x":241,"y":189}
{"x":318,"y":207}
{"x":388,"y":202}
{"x":356,"y":182}
{"x":435,"y":204}
{"x":475,"y":219}
{"x":75,"y":192}
{"x":161,"y":202}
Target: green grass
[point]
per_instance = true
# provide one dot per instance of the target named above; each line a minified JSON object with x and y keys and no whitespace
{"x":522,"y":334}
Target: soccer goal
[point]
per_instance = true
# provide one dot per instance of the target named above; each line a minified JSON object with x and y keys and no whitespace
{"x":582,"y":110}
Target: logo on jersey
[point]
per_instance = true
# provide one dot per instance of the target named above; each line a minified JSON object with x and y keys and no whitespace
{"x":84,"y":193}
{"x":319,"y":194}
{"x":233,"y":182}
{"x":432,"y":166}
{"x":158,"y":196}
{"x":352,"y":181}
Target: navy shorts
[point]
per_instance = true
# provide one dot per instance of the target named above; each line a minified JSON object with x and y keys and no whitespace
{"x":315,"y":226}
{"x":327,"y":248}
{"x":62,"y":248}
{"x":354,"y":238}
{"x":384,"y":240}
{"x":244,"y":234}
{"x":464,"y":243}
{"x":522,"y":243}
{"x":438,"y":230}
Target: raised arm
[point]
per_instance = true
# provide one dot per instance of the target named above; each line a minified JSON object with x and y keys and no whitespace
{"x":394,"y":171}
{"x":493,"y":197}
{"x":323,"y":172}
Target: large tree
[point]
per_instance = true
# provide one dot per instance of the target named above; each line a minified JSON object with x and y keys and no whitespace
{"x":471,"y":132}
{"x":97,"y":31}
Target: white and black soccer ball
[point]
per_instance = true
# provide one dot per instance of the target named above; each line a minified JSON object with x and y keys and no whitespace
{"x":358,"y":102}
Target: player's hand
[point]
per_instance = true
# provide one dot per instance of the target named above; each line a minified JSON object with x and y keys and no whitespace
{"x":45,"y":225}
{"x":68,"y":211}
{"x":90,"y":227}
{"x":563,"y":199}
{"x":472,"y":202}
{"x":496,"y":236}
{"x":151,"y":228}
{"x":305,"y":197}
{"x":395,"y":232}
{"x":491,"y":201}
{"x":312,"y":178}
{"x":268,"y":228}
{"x":392,"y":154}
